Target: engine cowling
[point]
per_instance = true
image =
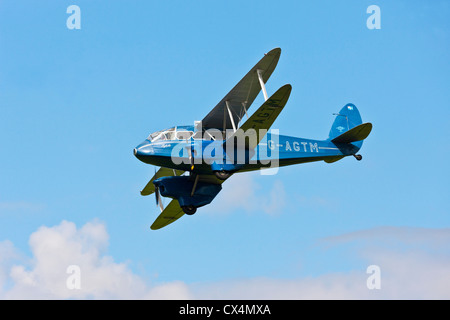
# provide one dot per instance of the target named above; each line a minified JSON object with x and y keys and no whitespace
{"x":180,"y":188}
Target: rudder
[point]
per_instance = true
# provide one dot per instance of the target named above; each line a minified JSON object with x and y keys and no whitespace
{"x":347,"y":118}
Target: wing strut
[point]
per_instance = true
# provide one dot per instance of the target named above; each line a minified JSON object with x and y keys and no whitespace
{"x":245,"y":91}
{"x":244,"y":106}
{"x":244,"y":103}
{"x":195,"y":184}
{"x":261,"y":82}
{"x":231,"y":116}
{"x":263,"y":118}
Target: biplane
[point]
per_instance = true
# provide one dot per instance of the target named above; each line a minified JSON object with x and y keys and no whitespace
{"x":195,"y":160}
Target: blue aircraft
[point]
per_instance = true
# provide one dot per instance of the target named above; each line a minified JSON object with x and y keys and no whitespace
{"x":195,"y":160}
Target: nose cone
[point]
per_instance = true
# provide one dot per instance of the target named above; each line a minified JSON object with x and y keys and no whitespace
{"x":142,"y":151}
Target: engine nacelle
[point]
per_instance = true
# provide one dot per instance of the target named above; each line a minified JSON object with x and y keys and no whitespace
{"x":180,"y":188}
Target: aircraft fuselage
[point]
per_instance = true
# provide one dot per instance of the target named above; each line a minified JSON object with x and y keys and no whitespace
{"x":273,"y":151}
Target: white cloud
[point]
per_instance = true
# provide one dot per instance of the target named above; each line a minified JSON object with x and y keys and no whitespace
{"x":243,"y":192}
{"x":414,"y":263}
{"x":334,"y":286}
{"x":403,"y":276}
{"x":7,"y":255}
{"x":20,"y":206}
{"x":406,"y":235}
{"x":275,"y":201}
{"x":56,"y":248}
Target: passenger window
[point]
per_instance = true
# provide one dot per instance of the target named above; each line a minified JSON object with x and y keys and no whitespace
{"x":183,"y":135}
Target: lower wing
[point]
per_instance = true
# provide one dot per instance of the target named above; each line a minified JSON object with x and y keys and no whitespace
{"x":171,"y":213}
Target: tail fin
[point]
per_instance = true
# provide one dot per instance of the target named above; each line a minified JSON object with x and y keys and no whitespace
{"x":348,"y":127}
{"x":346,"y":119}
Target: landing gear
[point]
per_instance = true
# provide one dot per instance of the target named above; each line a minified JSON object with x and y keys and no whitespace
{"x":222,"y":175}
{"x":190,"y":209}
{"x":358,"y":157}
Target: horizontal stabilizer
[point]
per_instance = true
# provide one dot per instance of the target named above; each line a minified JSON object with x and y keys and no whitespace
{"x":357,"y":133}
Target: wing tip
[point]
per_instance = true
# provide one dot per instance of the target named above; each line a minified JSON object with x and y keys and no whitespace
{"x":273,"y":52}
{"x":284,"y":90}
{"x":287,"y":86}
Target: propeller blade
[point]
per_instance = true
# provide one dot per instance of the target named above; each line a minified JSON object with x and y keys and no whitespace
{"x":192,"y":161}
{"x":158,"y":199}
{"x":191,"y":157}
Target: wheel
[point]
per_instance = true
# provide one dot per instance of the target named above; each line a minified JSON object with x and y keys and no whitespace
{"x":190,"y":210}
{"x":222,"y":175}
{"x":358,"y":157}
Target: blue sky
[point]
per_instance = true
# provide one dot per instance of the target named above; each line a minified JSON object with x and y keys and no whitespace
{"x":74,"y":104}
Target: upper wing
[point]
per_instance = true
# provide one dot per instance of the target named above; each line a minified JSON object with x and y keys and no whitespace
{"x":242,"y":95}
{"x":162,"y":172}
{"x":262,"y":119}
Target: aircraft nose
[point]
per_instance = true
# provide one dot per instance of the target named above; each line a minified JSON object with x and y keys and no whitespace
{"x":142,"y":151}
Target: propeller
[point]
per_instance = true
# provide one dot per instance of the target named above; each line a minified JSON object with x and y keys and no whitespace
{"x":190,"y":154}
{"x":158,"y":199}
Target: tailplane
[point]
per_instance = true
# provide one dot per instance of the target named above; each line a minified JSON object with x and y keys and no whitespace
{"x":358,"y":133}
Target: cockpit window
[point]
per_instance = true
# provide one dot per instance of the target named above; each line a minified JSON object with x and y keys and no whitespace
{"x":155,"y":135}
{"x":170,"y":134}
